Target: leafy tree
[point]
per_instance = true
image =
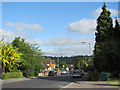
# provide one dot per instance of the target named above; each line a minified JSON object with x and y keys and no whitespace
{"x":32,"y":59}
{"x":63,"y":65}
{"x":104,"y":31}
{"x":1,"y":45}
{"x":81,"y":64}
{"x":10,"y":57}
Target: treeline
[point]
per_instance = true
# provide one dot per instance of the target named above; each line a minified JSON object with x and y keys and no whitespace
{"x":79,"y":61}
{"x":107,"y":46}
{"x":21,"y":56}
{"x":69,"y":60}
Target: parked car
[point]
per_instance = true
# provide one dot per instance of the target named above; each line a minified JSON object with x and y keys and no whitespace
{"x":77,"y":73}
{"x":71,"y":72}
{"x":52,"y":73}
{"x":64,"y":72}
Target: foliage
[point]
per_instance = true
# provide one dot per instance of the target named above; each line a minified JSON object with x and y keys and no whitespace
{"x":107,"y":46}
{"x":68,"y":60}
{"x":103,"y":36}
{"x":116,"y":50}
{"x":10,"y":57}
{"x":12,"y":75}
{"x":93,"y":76}
{"x":31,"y":54}
{"x":1,"y":45}
{"x":74,"y":60}
{"x":78,"y":63}
{"x":63,"y":65}
{"x":81,"y":64}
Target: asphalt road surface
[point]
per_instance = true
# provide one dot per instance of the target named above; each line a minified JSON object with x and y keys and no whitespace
{"x":44,"y":82}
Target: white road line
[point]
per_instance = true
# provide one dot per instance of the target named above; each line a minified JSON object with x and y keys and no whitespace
{"x":68,"y":85}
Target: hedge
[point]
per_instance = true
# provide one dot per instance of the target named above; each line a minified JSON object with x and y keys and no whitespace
{"x":12,"y":75}
{"x":93,"y":76}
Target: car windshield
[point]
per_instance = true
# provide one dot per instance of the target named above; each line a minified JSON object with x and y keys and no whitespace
{"x":51,"y":71}
{"x":76,"y":72}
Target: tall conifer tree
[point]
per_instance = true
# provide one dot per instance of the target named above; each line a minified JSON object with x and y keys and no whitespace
{"x":115,"y":50}
{"x":103,"y":34}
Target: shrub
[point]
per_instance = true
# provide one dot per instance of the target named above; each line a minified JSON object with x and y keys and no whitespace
{"x":29,"y":72}
{"x":12,"y":75}
{"x":93,"y":76}
{"x":90,"y":68}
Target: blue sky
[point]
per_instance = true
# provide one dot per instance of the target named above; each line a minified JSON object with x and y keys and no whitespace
{"x":57,"y":27}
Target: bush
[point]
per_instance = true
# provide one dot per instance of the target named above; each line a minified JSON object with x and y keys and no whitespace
{"x":12,"y":75}
{"x":93,"y":76}
{"x":90,"y":68}
{"x":29,"y":72}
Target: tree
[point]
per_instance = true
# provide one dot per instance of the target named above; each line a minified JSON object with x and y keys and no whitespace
{"x":104,"y":33}
{"x":1,"y":45}
{"x":81,"y":64}
{"x":63,"y":65}
{"x":115,"y":50}
{"x":31,"y":64}
{"x":10,"y":57}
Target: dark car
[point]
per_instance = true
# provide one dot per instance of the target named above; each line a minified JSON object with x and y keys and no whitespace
{"x":71,"y":72}
{"x":52,"y":73}
{"x":77,"y":73}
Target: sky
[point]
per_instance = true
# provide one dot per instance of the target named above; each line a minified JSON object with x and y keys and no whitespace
{"x":57,"y":27}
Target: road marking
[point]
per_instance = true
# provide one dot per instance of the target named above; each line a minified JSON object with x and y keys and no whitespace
{"x":68,"y":85}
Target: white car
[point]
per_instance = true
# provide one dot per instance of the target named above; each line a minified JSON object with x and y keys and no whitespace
{"x":64,"y":72}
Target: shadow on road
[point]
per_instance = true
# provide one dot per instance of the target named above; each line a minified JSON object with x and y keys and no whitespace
{"x":66,"y":78}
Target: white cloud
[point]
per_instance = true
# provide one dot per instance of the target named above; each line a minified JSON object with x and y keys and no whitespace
{"x":66,"y":45}
{"x":63,"y":41}
{"x":87,"y":26}
{"x":23,"y":26}
{"x":84,"y":26}
{"x":8,"y":36}
{"x":113,"y":12}
{"x":119,"y":20}
{"x":97,"y":12}
{"x":69,"y":51}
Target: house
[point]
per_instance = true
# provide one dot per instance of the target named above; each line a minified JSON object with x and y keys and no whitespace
{"x":70,"y":66}
{"x":49,"y":64}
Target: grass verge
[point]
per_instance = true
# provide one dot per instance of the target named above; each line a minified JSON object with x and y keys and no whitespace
{"x":114,"y":81}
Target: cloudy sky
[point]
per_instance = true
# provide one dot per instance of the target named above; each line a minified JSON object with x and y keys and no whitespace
{"x":57,"y":27}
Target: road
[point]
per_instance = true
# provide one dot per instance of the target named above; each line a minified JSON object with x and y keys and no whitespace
{"x":44,"y":82}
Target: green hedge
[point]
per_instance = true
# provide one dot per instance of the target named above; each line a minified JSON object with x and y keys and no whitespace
{"x":12,"y":75}
{"x":93,"y":76}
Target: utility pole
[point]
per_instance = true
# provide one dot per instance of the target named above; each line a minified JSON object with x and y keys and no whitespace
{"x":58,"y":62}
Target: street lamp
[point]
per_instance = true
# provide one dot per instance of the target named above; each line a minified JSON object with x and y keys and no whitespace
{"x":89,"y":46}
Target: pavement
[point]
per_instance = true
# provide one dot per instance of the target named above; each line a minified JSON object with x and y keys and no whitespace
{"x":90,"y":84}
{"x":15,"y":80}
